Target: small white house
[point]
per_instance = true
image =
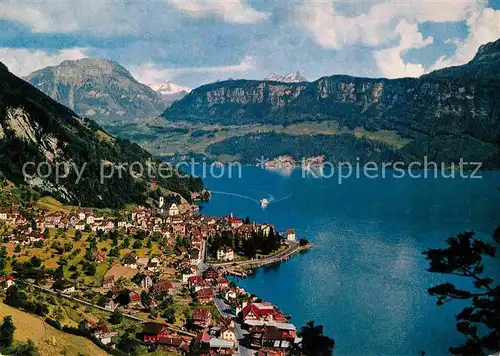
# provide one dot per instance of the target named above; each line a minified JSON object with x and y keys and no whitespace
{"x":68,"y":290}
{"x":290,"y":235}
{"x":105,"y":337}
{"x":173,"y":210}
{"x":225,"y":253}
{"x":80,"y":225}
{"x":227,"y":333}
{"x":146,"y":283}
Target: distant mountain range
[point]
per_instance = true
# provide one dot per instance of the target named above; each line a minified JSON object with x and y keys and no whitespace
{"x":445,"y":115}
{"x":35,"y":128}
{"x":170,"y":92}
{"x":294,"y":77}
{"x":98,"y":89}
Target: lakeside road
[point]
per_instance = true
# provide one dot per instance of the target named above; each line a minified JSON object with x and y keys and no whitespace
{"x":291,"y":250}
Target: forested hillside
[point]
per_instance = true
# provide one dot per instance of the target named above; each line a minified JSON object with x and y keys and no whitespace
{"x":35,"y":128}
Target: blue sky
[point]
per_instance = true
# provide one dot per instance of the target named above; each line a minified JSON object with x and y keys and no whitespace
{"x":193,"y":42}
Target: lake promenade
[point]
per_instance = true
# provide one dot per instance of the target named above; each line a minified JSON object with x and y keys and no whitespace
{"x":292,"y":249}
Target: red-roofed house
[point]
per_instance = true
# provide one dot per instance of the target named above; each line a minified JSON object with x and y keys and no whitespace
{"x":197,"y":282}
{"x":204,"y":295}
{"x":152,"y":332}
{"x":263,"y":312}
{"x":202,"y":317}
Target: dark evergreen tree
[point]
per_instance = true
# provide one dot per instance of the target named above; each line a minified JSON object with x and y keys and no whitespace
{"x":7,"y":332}
{"x":480,"y":321}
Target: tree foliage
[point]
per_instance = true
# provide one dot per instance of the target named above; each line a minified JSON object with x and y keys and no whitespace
{"x":7,"y":332}
{"x":314,"y":343}
{"x":480,"y":321}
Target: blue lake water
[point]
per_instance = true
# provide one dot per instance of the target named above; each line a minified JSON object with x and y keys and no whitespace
{"x":366,"y":279}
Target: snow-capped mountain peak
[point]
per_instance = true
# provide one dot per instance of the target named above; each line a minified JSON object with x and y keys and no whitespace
{"x":169,"y":88}
{"x":293,"y":77}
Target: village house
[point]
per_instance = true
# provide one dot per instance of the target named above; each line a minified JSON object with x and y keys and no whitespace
{"x":227,"y":333}
{"x":154,"y":264}
{"x":179,"y":229}
{"x":108,"y":282}
{"x":146,"y":283}
{"x":81,"y":215}
{"x":162,"y":287}
{"x":275,"y":335}
{"x":173,"y":210}
{"x":152,"y":332}
{"x":135,"y":298}
{"x":110,"y":304}
{"x":222,"y":285}
{"x":187,"y":273}
{"x":80,"y":226}
{"x":197,"y":283}
{"x":6,"y":282}
{"x":202,"y":317}
{"x":4,"y":214}
{"x":265,"y":229}
{"x":290,"y":235}
{"x":68,"y":289}
{"x":210,"y":274}
{"x":221,"y":347}
{"x":204,"y":295}
{"x":225,"y":253}
{"x":130,"y":260}
{"x":233,"y":221}
{"x":174,"y":343}
{"x":262,"y":311}
{"x":105,"y":337}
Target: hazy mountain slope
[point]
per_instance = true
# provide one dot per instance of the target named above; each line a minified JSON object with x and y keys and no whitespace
{"x":98,"y":89}
{"x":35,"y":128}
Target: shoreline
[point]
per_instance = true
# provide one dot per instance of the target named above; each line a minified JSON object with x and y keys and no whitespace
{"x":234,"y":268}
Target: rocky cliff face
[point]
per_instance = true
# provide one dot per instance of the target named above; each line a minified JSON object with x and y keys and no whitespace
{"x":98,"y":89}
{"x":453,"y":110}
{"x":235,"y":101}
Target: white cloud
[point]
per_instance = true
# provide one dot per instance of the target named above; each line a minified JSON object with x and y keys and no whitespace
{"x":22,"y":62}
{"x":230,"y":10}
{"x":484,"y":26}
{"x":333,"y":30}
{"x":150,"y":73}
{"x":394,"y":25}
{"x":101,"y":17}
{"x":390,"y":62}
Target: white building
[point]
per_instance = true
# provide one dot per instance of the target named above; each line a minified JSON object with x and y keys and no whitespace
{"x":173,"y":210}
{"x":290,"y":235}
{"x":146,"y":283}
{"x":225,"y":253}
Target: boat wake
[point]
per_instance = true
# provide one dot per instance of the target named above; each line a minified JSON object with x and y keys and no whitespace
{"x":270,"y":199}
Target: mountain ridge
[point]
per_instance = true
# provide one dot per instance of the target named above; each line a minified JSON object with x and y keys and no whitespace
{"x":447,"y":114}
{"x":37,"y":130}
{"x":100,"y":89}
